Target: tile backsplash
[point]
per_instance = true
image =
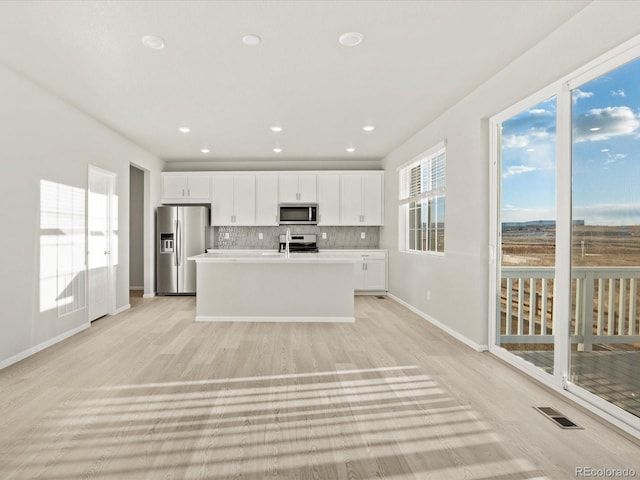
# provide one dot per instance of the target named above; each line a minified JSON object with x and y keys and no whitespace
{"x":337,"y":237}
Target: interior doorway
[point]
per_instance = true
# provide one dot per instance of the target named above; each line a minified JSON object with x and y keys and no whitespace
{"x":102,"y":251}
{"x":136,"y":232}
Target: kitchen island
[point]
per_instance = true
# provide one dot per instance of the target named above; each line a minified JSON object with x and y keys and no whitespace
{"x":267,"y":286}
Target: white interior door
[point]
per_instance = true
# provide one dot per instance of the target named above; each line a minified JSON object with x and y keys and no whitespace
{"x":100,"y":232}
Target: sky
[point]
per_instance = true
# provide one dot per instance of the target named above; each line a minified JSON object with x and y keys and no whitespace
{"x":605,"y":157}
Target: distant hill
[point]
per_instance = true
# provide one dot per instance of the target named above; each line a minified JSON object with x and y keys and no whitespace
{"x":537,"y":223}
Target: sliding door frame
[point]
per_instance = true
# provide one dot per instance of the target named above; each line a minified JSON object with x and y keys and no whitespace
{"x":560,"y":379}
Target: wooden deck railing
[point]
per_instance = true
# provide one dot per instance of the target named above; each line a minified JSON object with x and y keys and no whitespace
{"x":604,"y":299}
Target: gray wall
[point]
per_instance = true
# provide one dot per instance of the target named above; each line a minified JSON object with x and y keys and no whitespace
{"x":136,"y":228}
{"x":458,"y":281}
{"x":44,"y":138}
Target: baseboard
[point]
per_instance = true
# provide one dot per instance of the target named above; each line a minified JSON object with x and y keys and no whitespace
{"x":135,"y":288}
{"x":206,"y":318}
{"x":149,"y":295}
{"x":122,"y":309}
{"x":477,"y":347}
{"x":41,"y":346}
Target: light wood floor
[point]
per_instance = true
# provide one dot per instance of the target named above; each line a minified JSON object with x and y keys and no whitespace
{"x":150,"y":394}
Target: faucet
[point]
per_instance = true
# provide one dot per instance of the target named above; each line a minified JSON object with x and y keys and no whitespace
{"x":287,"y":240}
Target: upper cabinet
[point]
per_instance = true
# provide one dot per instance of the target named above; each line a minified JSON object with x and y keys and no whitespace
{"x":329,"y":199}
{"x":267,"y":199}
{"x":361,"y":200}
{"x":179,"y":187}
{"x":349,"y":198}
{"x":297,"y":188}
{"x":233,"y":200}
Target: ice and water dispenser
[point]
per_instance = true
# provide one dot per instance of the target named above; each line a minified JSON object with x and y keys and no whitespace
{"x":166,"y":243}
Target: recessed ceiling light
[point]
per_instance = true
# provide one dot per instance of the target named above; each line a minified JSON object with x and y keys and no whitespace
{"x":251,"y":40}
{"x":153,"y":42}
{"x":276,"y":128}
{"x":594,"y":129}
{"x":351,"y":39}
{"x":277,"y":150}
{"x":350,"y":149}
{"x":184,"y":129}
{"x":369,"y":128}
{"x":604,"y":150}
{"x":531,"y":149}
{"x":205,"y":150}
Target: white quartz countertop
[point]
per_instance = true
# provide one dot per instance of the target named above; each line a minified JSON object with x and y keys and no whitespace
{"x":273,"y":256}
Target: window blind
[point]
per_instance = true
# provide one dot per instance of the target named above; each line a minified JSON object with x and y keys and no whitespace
{"x":424,"y":177}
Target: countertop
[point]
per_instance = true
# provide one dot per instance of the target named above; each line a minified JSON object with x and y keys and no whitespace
{"x":273,"y":256}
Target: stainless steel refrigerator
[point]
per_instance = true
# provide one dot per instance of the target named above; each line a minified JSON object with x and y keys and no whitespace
{"x":181,"y":232}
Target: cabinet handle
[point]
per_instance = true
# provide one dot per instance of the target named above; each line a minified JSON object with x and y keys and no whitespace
{"x":183,"y":192}
{"x":188,"y":192}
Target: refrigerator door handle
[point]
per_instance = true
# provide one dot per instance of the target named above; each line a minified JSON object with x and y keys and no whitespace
{"x":179,"y":245}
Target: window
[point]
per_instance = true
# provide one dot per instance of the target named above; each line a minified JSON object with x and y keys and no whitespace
{"x":422,"y":199}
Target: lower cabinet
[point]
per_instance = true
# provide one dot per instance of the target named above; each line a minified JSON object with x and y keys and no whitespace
{"x":371,"y":273}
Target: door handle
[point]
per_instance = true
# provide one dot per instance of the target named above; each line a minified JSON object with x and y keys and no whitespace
{"x":177,"y":243}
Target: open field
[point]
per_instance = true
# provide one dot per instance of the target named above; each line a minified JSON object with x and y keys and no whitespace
{"x":591,"y":246}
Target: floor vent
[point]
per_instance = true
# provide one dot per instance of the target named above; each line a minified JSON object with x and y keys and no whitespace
{"x":381,"y":297}
{"x":558,"y":418}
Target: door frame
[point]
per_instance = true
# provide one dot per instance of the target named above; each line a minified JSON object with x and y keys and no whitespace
{"x":111,"y":278}
{"x":562,"y":89}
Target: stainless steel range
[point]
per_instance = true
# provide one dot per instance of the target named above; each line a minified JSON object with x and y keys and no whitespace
{"x":299,"y":243}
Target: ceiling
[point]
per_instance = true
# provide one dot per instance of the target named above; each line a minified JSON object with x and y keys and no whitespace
{"x":417,"y":59}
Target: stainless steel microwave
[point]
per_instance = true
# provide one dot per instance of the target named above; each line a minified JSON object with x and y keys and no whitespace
{"x":298,"y":214}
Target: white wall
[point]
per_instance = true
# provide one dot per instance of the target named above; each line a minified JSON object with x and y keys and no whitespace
{"x":44,"y":138}
{"x":458,"y":282}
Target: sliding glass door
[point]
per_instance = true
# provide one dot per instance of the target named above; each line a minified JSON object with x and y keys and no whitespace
{"x":527,"y":225}
{"x":565,"y":222}
{"x":605,"y":260}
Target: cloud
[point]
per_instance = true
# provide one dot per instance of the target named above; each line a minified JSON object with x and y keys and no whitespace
{"x":533,"y":136}
{"x":530,"y":128}
{"x":520,"y":214}
{"x":515,"y":141}
{"x":618,"y":93}
{"x":608,"y":214}
{"x":614,"y":158}
{"x":517,"y":170}
{"x":540,"y":134}
{"x":579,"y":95}
{"x":540,"y":111}
{"x":609,"y":122}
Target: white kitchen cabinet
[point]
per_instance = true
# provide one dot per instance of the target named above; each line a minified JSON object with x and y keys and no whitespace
{"x":361,"y":200}
{"x":329,"y":199}
{"x":266,"y":199}
{"x":233,"y":200}
{"x":186,"y":188}
{"x":371,"y":273}
{"x":297,"y":188}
